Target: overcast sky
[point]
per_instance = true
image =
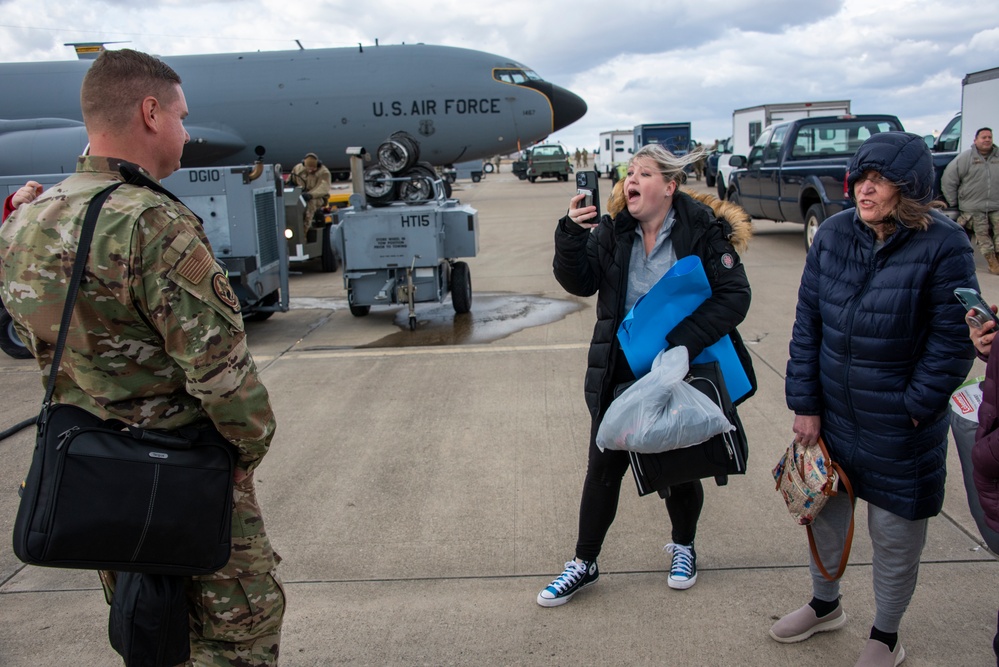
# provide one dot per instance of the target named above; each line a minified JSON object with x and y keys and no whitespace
{"x":635,"y":62}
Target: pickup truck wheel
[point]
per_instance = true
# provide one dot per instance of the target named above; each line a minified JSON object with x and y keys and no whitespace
{"x":721,"y":188}
{"x":813,"y":218}
{"x":10,"y":342}
{"x":709,"y":180}
{"x":733,"y":196}
{"x":532,"y":178}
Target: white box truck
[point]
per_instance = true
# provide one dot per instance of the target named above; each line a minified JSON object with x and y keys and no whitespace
{"x":616,"y":146}
{"x":748,"y":124}
{"x":979,"y":102}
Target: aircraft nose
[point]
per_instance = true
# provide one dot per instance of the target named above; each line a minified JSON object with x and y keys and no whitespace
{"x":567,"y":107}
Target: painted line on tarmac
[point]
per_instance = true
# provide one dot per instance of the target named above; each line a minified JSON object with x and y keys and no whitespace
{"x":416,"y":351}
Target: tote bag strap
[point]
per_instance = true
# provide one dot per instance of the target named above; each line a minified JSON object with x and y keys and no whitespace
{"x":848,"y":543}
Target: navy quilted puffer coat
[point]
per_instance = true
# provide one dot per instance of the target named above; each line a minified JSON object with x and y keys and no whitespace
{"x":879,"y":341}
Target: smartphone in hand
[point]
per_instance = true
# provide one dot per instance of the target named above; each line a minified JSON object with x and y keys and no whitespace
{"x":586,"y":184}
{"x":972,"y":300}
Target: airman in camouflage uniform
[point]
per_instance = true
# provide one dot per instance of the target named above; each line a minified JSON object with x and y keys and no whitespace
{"x":315,"y":180}
{"x":156,"y":338}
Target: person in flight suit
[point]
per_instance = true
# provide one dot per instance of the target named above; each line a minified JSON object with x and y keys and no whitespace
{"x":315,"y":180}
{"x":157,"y":338}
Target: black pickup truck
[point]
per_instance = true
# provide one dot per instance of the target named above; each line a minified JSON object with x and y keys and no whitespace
{"x":796,"y":171}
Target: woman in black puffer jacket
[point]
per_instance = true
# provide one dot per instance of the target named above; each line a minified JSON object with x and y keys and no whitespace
{"x":619,"y":258}
{"x":878,"y":346}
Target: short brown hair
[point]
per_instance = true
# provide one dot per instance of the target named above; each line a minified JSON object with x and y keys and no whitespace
{"x":118,"y":80}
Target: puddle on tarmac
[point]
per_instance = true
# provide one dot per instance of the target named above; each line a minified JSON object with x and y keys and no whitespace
{"x":493,"y":316}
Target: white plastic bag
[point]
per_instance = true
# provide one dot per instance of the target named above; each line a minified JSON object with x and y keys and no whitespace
{"x":660,"y":412}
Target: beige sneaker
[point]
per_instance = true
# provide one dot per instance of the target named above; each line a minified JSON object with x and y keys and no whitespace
{"x":801,"y":624}
{"x":876,"y":654}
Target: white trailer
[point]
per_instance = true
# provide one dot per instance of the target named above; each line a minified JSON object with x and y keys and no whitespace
{"x":979,"y":102}
{"x":748,"y":124}
{"x":616,"y":146}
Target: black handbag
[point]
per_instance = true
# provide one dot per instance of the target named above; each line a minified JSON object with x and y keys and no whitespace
{"x":100,"y":495}
{"x":723,"y":455}
{"x":148,"y":623}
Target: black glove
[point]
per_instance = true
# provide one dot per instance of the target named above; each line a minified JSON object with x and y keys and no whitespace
{"x":306,"y":196}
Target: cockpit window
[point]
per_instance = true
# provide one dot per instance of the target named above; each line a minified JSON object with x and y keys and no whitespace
{"x":515,"y":76}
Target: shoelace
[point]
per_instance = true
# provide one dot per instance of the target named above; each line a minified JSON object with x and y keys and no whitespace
{"x":573,"y":573}
{"x":683,"y":562}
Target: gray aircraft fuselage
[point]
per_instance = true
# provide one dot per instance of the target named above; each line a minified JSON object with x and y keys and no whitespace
{"x":460,"y":104}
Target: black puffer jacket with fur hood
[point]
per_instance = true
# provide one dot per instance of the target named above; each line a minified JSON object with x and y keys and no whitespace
{"x":597,"y":262}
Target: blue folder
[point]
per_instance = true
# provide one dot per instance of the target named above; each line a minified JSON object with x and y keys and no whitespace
{"x":643,"y":332}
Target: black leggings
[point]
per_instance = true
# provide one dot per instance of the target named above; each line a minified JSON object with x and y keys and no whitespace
{"x":601,"y":490}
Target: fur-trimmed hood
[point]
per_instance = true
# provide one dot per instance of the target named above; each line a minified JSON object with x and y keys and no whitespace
{"x":733,"y":214}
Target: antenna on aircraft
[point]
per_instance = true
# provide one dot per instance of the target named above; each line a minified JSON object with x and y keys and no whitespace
{"x":300,"y":47}
{"x":360,"y":47}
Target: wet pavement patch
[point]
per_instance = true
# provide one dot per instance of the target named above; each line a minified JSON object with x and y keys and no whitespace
{"x":493,"y":316}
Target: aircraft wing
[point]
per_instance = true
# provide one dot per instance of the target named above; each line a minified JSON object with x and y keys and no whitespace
{"x":41,"y":145}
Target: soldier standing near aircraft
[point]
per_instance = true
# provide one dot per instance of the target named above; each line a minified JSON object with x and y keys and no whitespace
{"x":971,"y":183}
{"x":314,"y":178}
{"x":157,"y":338}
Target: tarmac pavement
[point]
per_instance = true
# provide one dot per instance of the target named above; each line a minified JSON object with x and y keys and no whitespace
{"x":422,"y":491}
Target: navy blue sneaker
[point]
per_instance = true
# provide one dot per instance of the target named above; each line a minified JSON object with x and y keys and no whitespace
{"x":683,"y":569}
{"x":575,"y":577}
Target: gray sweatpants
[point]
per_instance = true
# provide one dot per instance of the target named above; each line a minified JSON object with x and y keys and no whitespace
{"x":898,"y":544}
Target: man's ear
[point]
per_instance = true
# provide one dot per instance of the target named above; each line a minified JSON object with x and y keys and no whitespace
{"x":150,"y":112}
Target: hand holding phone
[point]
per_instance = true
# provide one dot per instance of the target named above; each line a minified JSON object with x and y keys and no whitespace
{"x":972,"y":300}
{"x":586,"y":184}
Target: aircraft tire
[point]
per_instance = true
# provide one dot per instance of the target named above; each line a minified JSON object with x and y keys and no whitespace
{"x":461,"y":288}
{"x":359,"y":311}
{"x":379,"y":192}
{"x":398,"y":153}
{"x":10,"y":342}
{"x":421,"y":186}
{"x":330,"y":261}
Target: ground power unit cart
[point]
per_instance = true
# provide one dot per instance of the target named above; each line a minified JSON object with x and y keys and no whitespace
{"x":406,"y":253}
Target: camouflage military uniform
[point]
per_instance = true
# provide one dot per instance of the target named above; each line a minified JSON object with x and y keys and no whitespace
{"x":318,"y":184}
{"x":156,"y":340}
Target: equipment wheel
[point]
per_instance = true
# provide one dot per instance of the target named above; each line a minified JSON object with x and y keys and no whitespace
{"x":330,"y":259}
{"x":532,"y":179}
{"x":476,"y":178}
{"x":488,"y":167}
{"x":813,"y":218}
{"x":461,"y":288}
{"x":10,"y":342}
{"x":412,"y":322}
{"x":261,"y":315}
{"x":359,"y":311}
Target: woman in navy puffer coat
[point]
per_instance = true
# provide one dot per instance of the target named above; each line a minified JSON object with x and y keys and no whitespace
{"x":879,"y":344}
